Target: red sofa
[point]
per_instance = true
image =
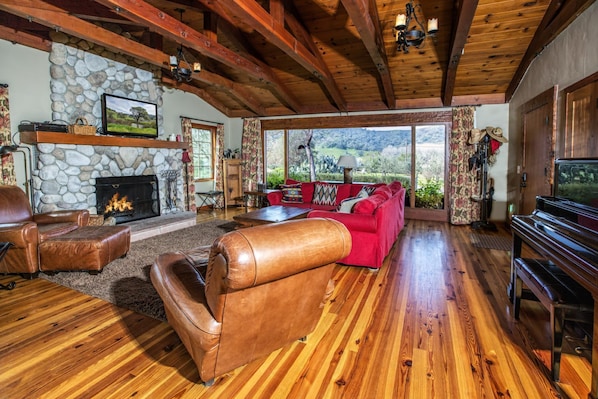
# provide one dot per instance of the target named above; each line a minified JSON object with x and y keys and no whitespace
{"x":374,"y":222}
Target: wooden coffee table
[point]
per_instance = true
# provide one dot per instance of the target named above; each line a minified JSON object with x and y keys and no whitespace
{"x":270,"y":214}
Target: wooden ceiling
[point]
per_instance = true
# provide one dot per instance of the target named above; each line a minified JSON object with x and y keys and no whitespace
{"x":286,"y":57}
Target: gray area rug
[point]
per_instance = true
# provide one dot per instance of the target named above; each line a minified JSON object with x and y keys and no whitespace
{"x":488,"y":241}
{"x":126,"y":282}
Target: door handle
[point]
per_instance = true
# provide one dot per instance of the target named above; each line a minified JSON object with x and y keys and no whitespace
{"x":523,"y":179}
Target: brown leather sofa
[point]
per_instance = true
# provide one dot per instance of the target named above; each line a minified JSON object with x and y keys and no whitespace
{"x":263,"y":288}
{"x":54,"y":241}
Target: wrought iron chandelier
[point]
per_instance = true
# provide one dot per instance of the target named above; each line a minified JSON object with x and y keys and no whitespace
{"x":415,"y":35}
{"x":180,"y":68}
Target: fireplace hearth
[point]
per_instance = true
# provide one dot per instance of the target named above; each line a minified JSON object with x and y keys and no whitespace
{"x":128,"y":198}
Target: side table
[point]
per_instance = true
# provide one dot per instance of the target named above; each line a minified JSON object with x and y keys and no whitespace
{"x":4,"y":246}
{"x":207,"y":195}
{"x":262,"y":197}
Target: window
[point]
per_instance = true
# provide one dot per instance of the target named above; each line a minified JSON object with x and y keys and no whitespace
{"x":414,"y":153}
{"x":203,"y":139}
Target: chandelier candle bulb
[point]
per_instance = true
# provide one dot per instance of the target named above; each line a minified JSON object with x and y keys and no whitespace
{"x":173,"y":61}
{"x":400,"y":22}
{"x":432,"y":25}
{"x":196,"y":67}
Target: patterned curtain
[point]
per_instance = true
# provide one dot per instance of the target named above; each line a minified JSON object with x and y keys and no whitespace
{"x":188,"y":185}
{"x":7,"y":162}
{"x":252,"y":156}
{"x":462,"y":181}
{"x":219,"y":155}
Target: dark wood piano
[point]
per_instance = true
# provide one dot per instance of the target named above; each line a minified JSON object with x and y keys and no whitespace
{"x":564,"y":230}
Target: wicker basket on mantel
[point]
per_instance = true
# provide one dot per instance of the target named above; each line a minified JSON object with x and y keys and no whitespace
{"x":81,"y":126}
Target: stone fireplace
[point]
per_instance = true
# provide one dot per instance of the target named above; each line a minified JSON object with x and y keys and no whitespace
{"x":66,"y":174}
{"x":128,"y":198}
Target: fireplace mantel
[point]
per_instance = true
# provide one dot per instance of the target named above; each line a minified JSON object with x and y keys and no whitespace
{"x":109,"y":141}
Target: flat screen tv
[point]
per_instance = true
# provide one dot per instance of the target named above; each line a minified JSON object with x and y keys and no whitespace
{"x":126,"y":117}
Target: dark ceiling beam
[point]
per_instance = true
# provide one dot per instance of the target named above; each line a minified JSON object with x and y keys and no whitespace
{"x":558,"y":16}
{"x":274,"y":31}
{"x":364,"y":15}
{"x":158,"y":21}
{"x":462,"y":27}
{"x":56,"y":18}
{"x":25,"y":39}
{"x":204,"y":95}
{"x":235,"y":90}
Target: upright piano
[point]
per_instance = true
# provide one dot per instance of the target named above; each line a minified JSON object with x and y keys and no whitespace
{"x":564,"y":229}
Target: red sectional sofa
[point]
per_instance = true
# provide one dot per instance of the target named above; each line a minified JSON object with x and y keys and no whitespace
{"x":374,"y":222}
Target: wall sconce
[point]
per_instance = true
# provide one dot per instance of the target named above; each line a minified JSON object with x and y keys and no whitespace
{"x":414,"y":36}
{"x":180,"y":68}
{"x":8,"y":149}
{"x":348,"y":162}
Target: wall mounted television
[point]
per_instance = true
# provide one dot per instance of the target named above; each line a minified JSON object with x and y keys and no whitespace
{"x":127,"y":117}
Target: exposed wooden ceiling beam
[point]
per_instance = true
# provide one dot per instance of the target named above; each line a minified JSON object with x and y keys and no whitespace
{"x":157,"y":20}
{"x":56,"y":18}
{"x":558,"y":16}
{"x":204,"y":95}
{"x":26,"y":39}
{"x":462,"y":27}
{"x":274,"y":31}
{"x":364,"y":15}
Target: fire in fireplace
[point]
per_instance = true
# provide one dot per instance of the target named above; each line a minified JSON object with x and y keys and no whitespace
{"x":128,"y":198}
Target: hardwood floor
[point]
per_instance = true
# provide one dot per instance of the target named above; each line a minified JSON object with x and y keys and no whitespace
{"x":433,"y":322}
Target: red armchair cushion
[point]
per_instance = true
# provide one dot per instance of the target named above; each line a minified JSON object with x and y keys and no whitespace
{"x":368,"y":205}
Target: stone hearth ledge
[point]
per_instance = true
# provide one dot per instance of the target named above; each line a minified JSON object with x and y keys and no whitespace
{"x":146,"y":228}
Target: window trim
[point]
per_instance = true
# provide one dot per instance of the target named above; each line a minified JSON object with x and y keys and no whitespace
{"x":212,"y":130}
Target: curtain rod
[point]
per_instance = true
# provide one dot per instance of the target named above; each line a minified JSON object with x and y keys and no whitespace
{"x":200,"y":120}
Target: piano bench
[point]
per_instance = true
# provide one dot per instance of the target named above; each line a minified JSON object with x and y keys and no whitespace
{"x":560,"y":294}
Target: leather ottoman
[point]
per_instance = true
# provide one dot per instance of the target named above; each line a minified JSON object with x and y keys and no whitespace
{"x":88,"y":248}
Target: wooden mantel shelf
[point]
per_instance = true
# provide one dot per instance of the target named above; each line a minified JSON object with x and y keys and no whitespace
{"x":108,"y":141}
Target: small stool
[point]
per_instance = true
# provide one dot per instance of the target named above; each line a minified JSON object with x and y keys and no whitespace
{"x":565,"y":298}
{"x":88,"y":248}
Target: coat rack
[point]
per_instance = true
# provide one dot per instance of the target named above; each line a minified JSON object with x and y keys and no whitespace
{"x":481,"y":158}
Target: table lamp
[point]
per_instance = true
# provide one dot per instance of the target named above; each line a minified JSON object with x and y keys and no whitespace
{"x":348,"y":162}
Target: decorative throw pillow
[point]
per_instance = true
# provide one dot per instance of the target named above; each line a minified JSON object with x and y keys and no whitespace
{"x":325,"y":194}
{"x":291,"y":193}
{"x":346,"y":205}
{"x":366,"y":191}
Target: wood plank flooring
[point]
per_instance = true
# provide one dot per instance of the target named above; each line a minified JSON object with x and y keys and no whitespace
{"x":433,"y":322}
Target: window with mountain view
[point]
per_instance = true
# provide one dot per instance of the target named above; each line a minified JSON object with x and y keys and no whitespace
{"x":404,"y":153}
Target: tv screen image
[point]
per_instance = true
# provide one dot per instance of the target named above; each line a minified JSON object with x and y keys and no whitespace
{"x":127,"y":117}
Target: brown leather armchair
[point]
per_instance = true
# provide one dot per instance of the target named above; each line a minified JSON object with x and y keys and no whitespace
{"x":263,"y":288}
{"x":19,"y":226}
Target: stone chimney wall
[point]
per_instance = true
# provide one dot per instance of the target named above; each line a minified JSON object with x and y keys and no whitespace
{"x":64,"y":176}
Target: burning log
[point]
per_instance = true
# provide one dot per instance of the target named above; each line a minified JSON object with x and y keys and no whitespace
{"x":118,"y":205}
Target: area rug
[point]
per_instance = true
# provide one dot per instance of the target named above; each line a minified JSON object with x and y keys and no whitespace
{"x":126,"y":282}
{"x":489,"y":241}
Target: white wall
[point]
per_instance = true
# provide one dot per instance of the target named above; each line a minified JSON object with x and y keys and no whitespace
{"x":27,"y":73}
{"x":177,"y":103}
{"x":497,"y":116}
